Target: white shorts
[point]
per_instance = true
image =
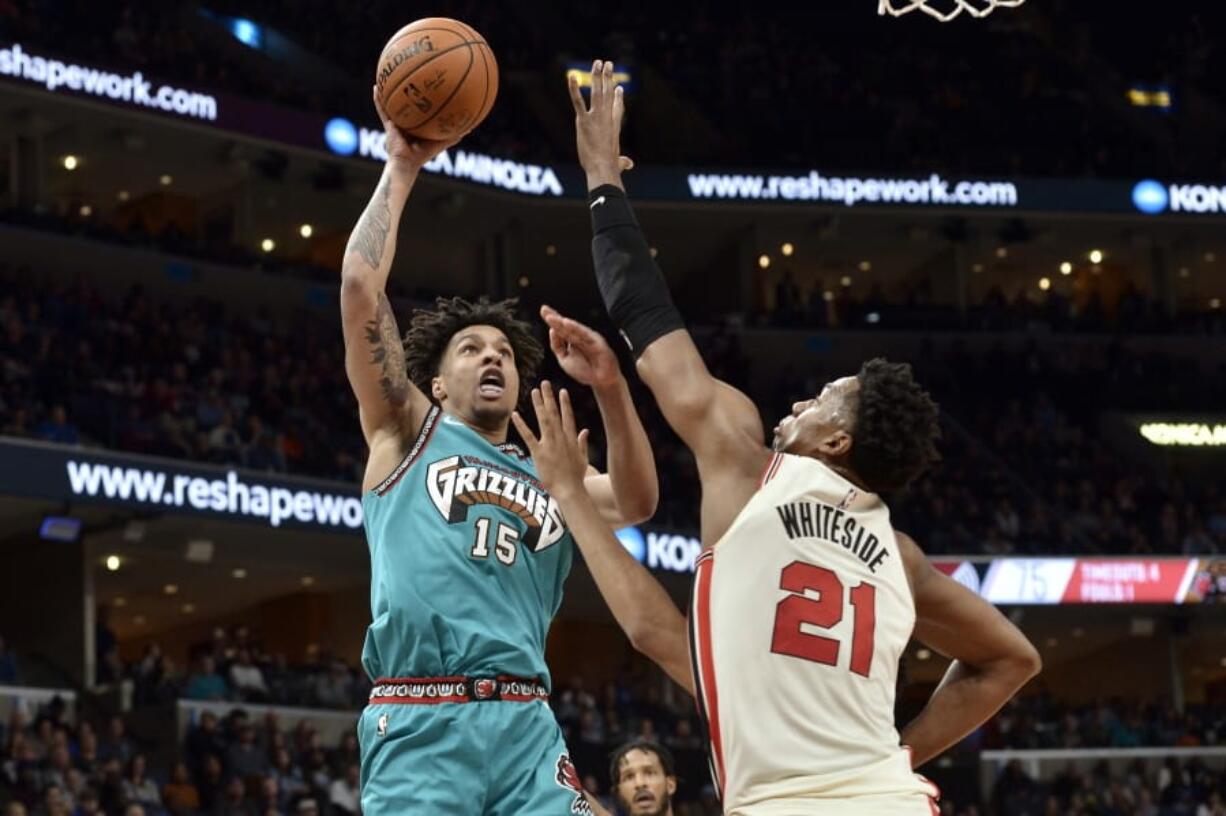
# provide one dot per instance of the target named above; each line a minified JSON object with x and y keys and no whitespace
{"x":911,"y":805}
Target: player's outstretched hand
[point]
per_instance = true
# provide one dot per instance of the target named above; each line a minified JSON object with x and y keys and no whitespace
{"x":582,"y":352}
{"x":405,"y":151}
{"x":560,"y":453}
{"x":598,"y":126}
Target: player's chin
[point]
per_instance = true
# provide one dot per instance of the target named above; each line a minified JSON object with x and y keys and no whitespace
{"x":494,"y":408}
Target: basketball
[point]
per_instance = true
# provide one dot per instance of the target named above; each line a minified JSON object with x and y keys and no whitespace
{"x":437,"y":78}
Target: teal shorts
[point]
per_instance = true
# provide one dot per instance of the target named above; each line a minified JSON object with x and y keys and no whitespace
{"x":488,"y":758}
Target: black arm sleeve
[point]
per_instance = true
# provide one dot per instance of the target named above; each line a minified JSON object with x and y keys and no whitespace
{"x":632,"y":287}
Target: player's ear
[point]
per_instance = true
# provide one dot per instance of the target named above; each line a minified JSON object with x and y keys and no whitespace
{"x":437,"y":390}
{"x":671,"y":785}
{"x":837,"y":443}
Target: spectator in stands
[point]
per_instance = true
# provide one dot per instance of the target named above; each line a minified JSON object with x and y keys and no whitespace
{"x":179,"y":796}
{"x":117,"y":745}
{"x":206,"y":684}
{"x":268,"y":800}
{"x":57,"y":428}
{"x":54,"y":803}
{"x":334,"y":689}
{"x":88,"y":759}
{"x":234,"y":801}
{"x":246,"y":679}
{"x":225,"y":445}
{"x":88,"y":804}
{"x":246,"y":758}
{"x":211,"y":783}
{"x":344,"y":793}
{"x":139,"y":788}
{"x":290,"y":783}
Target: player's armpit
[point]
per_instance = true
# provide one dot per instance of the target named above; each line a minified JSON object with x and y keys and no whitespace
{"x":716,"y":421}
{"x":992,"y":658}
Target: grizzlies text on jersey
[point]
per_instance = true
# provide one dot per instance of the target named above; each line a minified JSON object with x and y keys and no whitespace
{"x":468,"y":554}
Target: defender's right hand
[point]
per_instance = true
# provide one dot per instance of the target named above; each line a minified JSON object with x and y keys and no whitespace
{"x":406,"y":152}
{"x":598,"y":127}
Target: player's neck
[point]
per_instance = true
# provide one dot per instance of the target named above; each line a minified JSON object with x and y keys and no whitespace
{"x":494,"y":431}
{"x":840,"y":467}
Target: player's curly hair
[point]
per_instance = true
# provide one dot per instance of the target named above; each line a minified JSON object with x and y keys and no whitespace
{"x":430,"y":330}
{"x":896,"y":428}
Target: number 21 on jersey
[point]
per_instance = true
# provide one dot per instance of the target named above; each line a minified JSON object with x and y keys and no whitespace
{"x":824,"y":612}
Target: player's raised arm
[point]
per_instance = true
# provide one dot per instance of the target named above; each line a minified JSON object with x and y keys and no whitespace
{"x":717,"y":422}
{"x":642,"y":608}
{"x":992,"y":659}
{"x":629,"y":492}
{"x":374,"y":355}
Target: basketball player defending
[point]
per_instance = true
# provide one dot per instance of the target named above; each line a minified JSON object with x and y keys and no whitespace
{"x":468,"y":550}
{"x":805,"y":597}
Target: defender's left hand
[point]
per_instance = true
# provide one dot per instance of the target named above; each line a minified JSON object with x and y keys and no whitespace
{"x":560,"y":454}
{"x":582,"y":352}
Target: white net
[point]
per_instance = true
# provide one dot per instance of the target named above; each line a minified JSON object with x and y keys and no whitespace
{"x":944,"y":10}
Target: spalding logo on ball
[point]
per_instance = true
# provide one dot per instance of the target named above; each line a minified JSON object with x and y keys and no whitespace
{"x":437,"y":78}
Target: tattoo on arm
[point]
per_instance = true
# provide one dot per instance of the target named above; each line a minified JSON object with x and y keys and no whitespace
{"x":387,"y":351}
{"x":370,"y":237}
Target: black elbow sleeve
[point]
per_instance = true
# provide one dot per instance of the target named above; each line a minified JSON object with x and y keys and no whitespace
{"x":633,"y":289}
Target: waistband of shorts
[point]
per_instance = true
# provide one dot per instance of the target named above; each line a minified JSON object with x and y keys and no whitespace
{"x":457,"y":689}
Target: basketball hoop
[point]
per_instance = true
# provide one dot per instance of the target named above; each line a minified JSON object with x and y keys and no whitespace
{"x":944,"y":10}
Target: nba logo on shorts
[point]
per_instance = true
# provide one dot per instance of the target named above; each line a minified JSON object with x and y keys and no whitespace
{"x":484,"y":688}
{"x":382,"y":728}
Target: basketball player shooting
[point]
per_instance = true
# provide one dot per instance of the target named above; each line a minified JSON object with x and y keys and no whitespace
{"x":468,"y":550}
{"x":805,"y":596}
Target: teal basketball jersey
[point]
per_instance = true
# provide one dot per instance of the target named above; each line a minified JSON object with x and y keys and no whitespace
{"x":468,"y":554}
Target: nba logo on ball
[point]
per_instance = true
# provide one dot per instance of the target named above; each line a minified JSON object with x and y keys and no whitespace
{"x":632,"y":539}
{"x":1150,"y":197}
{"x":341,"y":136}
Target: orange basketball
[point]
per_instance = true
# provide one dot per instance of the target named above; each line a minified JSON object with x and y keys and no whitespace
{"x":437,"y":78}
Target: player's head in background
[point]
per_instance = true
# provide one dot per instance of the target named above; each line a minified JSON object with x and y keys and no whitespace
{"x":474,"y":358}
{"x":644,"y":778}
{"x":879,"y":427}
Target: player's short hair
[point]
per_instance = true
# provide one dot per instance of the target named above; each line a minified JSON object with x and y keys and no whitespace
{"x":896,"y":428}
{"x":430,"y":330}
{"x":647,"y":746}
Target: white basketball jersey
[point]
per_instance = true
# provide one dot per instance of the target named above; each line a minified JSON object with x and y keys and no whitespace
{"x":800,"y":615}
